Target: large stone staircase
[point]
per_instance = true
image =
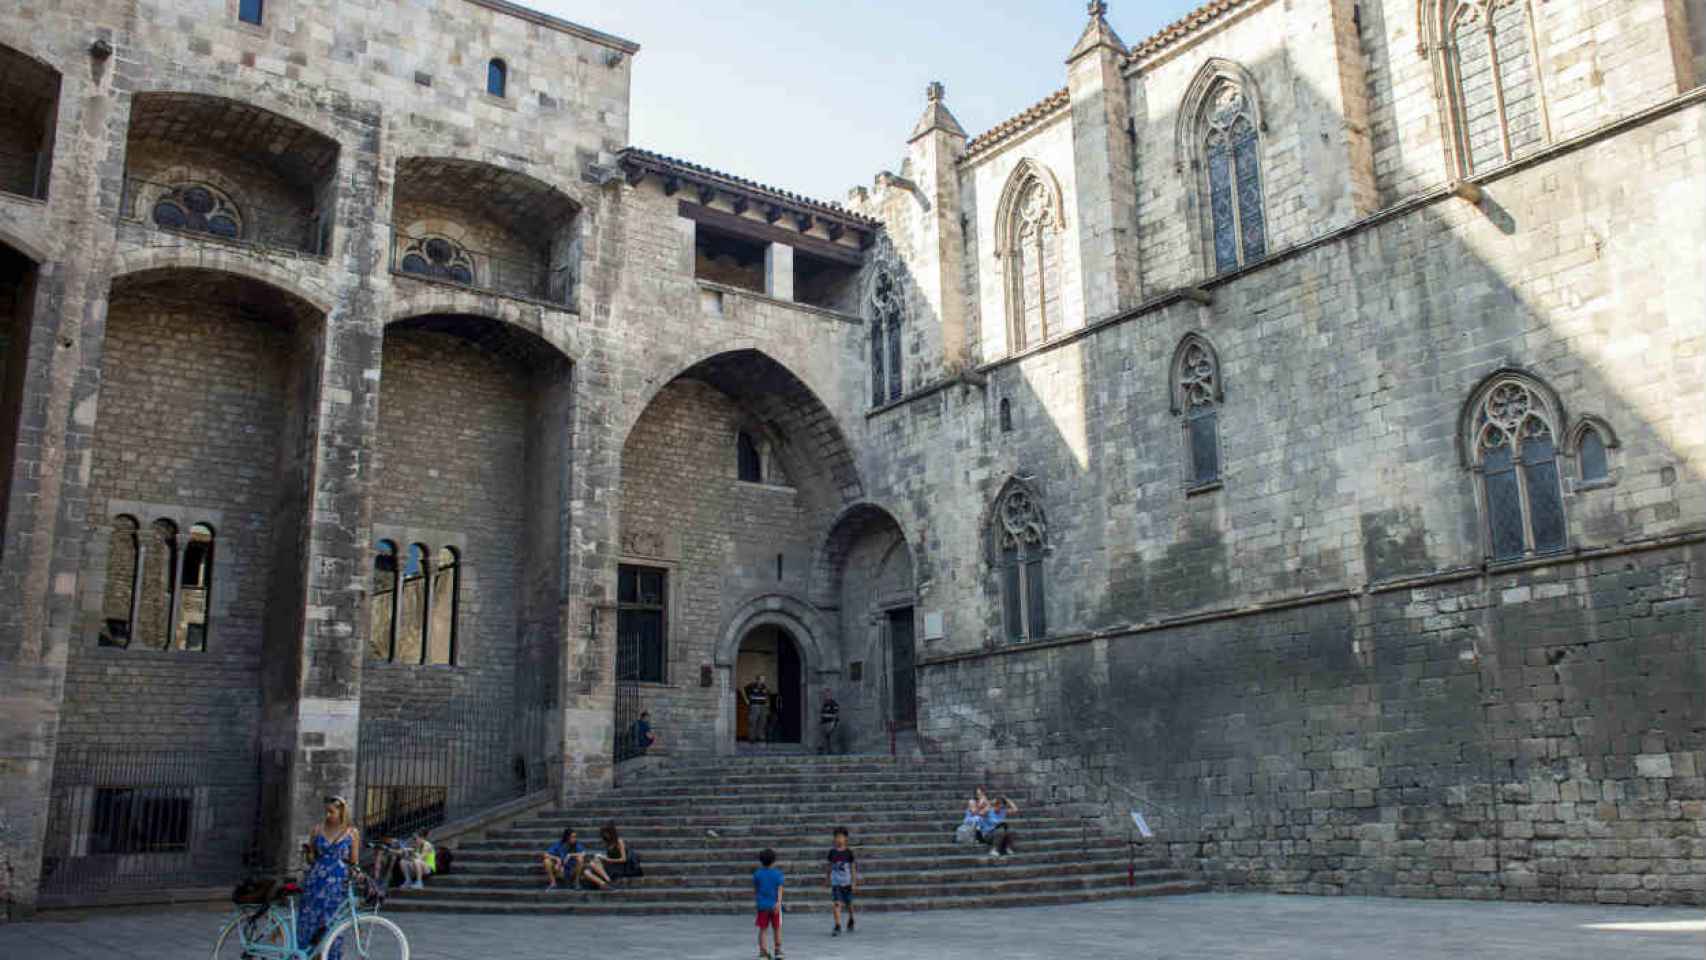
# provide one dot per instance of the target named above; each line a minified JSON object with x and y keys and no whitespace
{"x":901,"y":814}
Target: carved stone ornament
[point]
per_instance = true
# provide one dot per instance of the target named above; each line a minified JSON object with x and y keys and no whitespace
{"x":1511,"y":415}
{"x":642,"y":543}
{"x":1021,"y":522}
{"x":1196,"y":377}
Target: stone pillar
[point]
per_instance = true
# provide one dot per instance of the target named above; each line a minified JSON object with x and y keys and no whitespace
{"x":69,"y":237}
{"x":779,"y":271}
{"x":1106,"y":173}
{"x":934,"y":150}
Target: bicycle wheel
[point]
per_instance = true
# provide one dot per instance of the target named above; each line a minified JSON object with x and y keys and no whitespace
{"x":367,"y":937}
{"x":266,"y":937}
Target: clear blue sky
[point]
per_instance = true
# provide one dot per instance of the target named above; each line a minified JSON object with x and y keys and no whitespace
{"x":817,"y":96}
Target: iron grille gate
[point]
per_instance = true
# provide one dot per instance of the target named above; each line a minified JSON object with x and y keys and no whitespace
{"x":124,"y":819}
{"x":628,"y":708}
{"x":416,"y":772}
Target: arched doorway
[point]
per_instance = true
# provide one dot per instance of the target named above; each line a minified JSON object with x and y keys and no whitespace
{"x":769,"y":653}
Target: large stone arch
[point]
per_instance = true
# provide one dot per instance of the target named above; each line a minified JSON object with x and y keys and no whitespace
{"x":287,"y":277}
{"x":774,"y":393}
{"x":856,"y":521}
{"x":553,"y":328}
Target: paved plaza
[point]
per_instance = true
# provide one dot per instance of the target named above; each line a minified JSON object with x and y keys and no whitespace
{"x":1166,"y":928}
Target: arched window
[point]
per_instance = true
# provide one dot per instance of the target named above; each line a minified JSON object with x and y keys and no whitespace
{"x":1197,"y":393}
{"x":749,"y":462}
{"x":437,"y":257}
{"x":412,"y":605}
{"x":1485,"y":58}
{"x":195,"y":590}
{"x":198,"y":208}
{"x":446,"y":589}
{"x":1218,"y":138}
{"x":1592,"y":441}
{"x":1006,"y":415}
{"x":1029,"y":220}
{"x":118,"y":598}
{"x":497,"y":77}
{"x":382,"y":602}
{"x":888,"y":314}
{"x":1019,"y":540}
{"x":1512,"y":437}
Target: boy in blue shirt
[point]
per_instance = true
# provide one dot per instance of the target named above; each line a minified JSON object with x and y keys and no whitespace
{"x":562,"y":857}
{"x":767,"y":891}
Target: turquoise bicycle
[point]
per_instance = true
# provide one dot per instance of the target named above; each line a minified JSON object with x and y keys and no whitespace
{"x":267,"y":930}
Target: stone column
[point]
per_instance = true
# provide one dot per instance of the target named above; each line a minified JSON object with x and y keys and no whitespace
{"x":779,"y":271}
{"x":1106,"y":173}
{"x":70,"y":239}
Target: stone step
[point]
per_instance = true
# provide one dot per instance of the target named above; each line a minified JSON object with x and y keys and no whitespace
{"x":876,"y":873}
{"x":858,"y":823}
{"x":680,"y":861}
{"x":740,"y":889}
{"x":615,"y":903}
{"x":944,"y":800}
{"x":739,"y":837}
{"x":733,"y":786}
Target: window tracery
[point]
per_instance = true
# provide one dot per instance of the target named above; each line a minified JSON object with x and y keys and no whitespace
{"x":1232,"y":154}
{"x":1019,"y":533}
{"x":1196,"y":399}
{"x":1513,"y":438}
{"x":888,"y":314}
{"x":198,"y":208}
{"x":1030,"y":220}
{"x":1486,"y":60}
{"x":437,"y":257}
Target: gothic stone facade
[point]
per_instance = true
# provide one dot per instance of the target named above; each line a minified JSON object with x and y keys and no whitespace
{"x":1290,"y":428}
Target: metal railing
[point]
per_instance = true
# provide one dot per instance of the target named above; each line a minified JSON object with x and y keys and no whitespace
{"x":418,"y":772}
{"x":629,"y":706}
{"x":201,"y":210}
{"x":444,"y":260}
{"x":124,"y":819}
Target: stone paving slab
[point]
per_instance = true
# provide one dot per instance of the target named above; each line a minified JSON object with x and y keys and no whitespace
{"x":1218,"y":926}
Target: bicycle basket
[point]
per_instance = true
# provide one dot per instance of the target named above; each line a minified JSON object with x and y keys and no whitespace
{"x":255,"y":890}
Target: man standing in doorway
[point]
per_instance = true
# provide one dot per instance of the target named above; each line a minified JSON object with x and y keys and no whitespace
{"x":828,"y":722}
{"x":758,"y":710}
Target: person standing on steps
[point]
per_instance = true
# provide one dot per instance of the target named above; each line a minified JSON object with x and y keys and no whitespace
{"x":843,"y":880}
{"x":828,"y":722}
{"x":767,"y":883}
{"x":757,"y":710}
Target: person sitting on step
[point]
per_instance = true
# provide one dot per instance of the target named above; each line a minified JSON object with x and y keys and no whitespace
{"x":619,"y":861}
{"x":993,"y":829}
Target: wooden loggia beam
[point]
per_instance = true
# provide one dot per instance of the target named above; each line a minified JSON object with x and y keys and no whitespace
{"x":751,"y":229}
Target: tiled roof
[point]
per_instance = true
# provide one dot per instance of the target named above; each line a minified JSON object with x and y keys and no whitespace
{"x":1184,"y":27}
{"x":636,"y":158}
{"x":1014,"y":125}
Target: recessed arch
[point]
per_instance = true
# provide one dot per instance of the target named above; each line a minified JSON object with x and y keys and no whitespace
{"x":1466,"y":414}
{"x":138,"y":268}
{"x":501,"y":334}
{"x":796,"y":616}
{"x":851,"y":524}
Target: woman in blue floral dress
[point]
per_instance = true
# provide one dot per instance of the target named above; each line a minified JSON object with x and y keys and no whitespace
{"x":334,"y":846}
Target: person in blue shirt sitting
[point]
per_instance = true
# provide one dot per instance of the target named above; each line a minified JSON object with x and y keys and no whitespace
{"x":767,"y":882}
{"x":992,"y":829}
{"x":568,"y":857}
{"x":644,"y":738}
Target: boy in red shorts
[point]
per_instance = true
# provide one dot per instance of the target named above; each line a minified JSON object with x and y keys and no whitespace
{"x":767,"y":890}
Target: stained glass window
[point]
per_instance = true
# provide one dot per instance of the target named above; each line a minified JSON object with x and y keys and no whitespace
{"x":198,"y":208}
{"x":1590,"y":453}
{"x":1232,"y":153}
{"x":888,"y":314}
{"x":1518,"y":460}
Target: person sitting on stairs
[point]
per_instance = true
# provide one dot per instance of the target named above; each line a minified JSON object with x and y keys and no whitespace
{"x":992,"y":829}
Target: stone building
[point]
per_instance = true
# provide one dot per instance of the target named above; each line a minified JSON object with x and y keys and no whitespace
{"x":1290,"y":429}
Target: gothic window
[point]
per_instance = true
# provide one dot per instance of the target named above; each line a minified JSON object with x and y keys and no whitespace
{"x":1231,"y":152}
{"x":1030,"y":219}
{"x":1020,"y":540}
{"x":1197,"y":394}
{"x":1486,"y":58}
{"x":250,"y":11}
{"x":412,"y":605}
{"x":382,"y":602}
{"x":497,"y":77}
{"x":195,"y":590}
{"x":642,"y":606}
{"x":437,"y":257}
{"x":1513,"y":437}
{"x":118,"y":598}
{"x":1006,"y":415}
{"x":888,"y":313}
{"x":446,"y":584}
{"x":749,"y":462}
{"x":1590,"y":454}
{"x":198,"y":208}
